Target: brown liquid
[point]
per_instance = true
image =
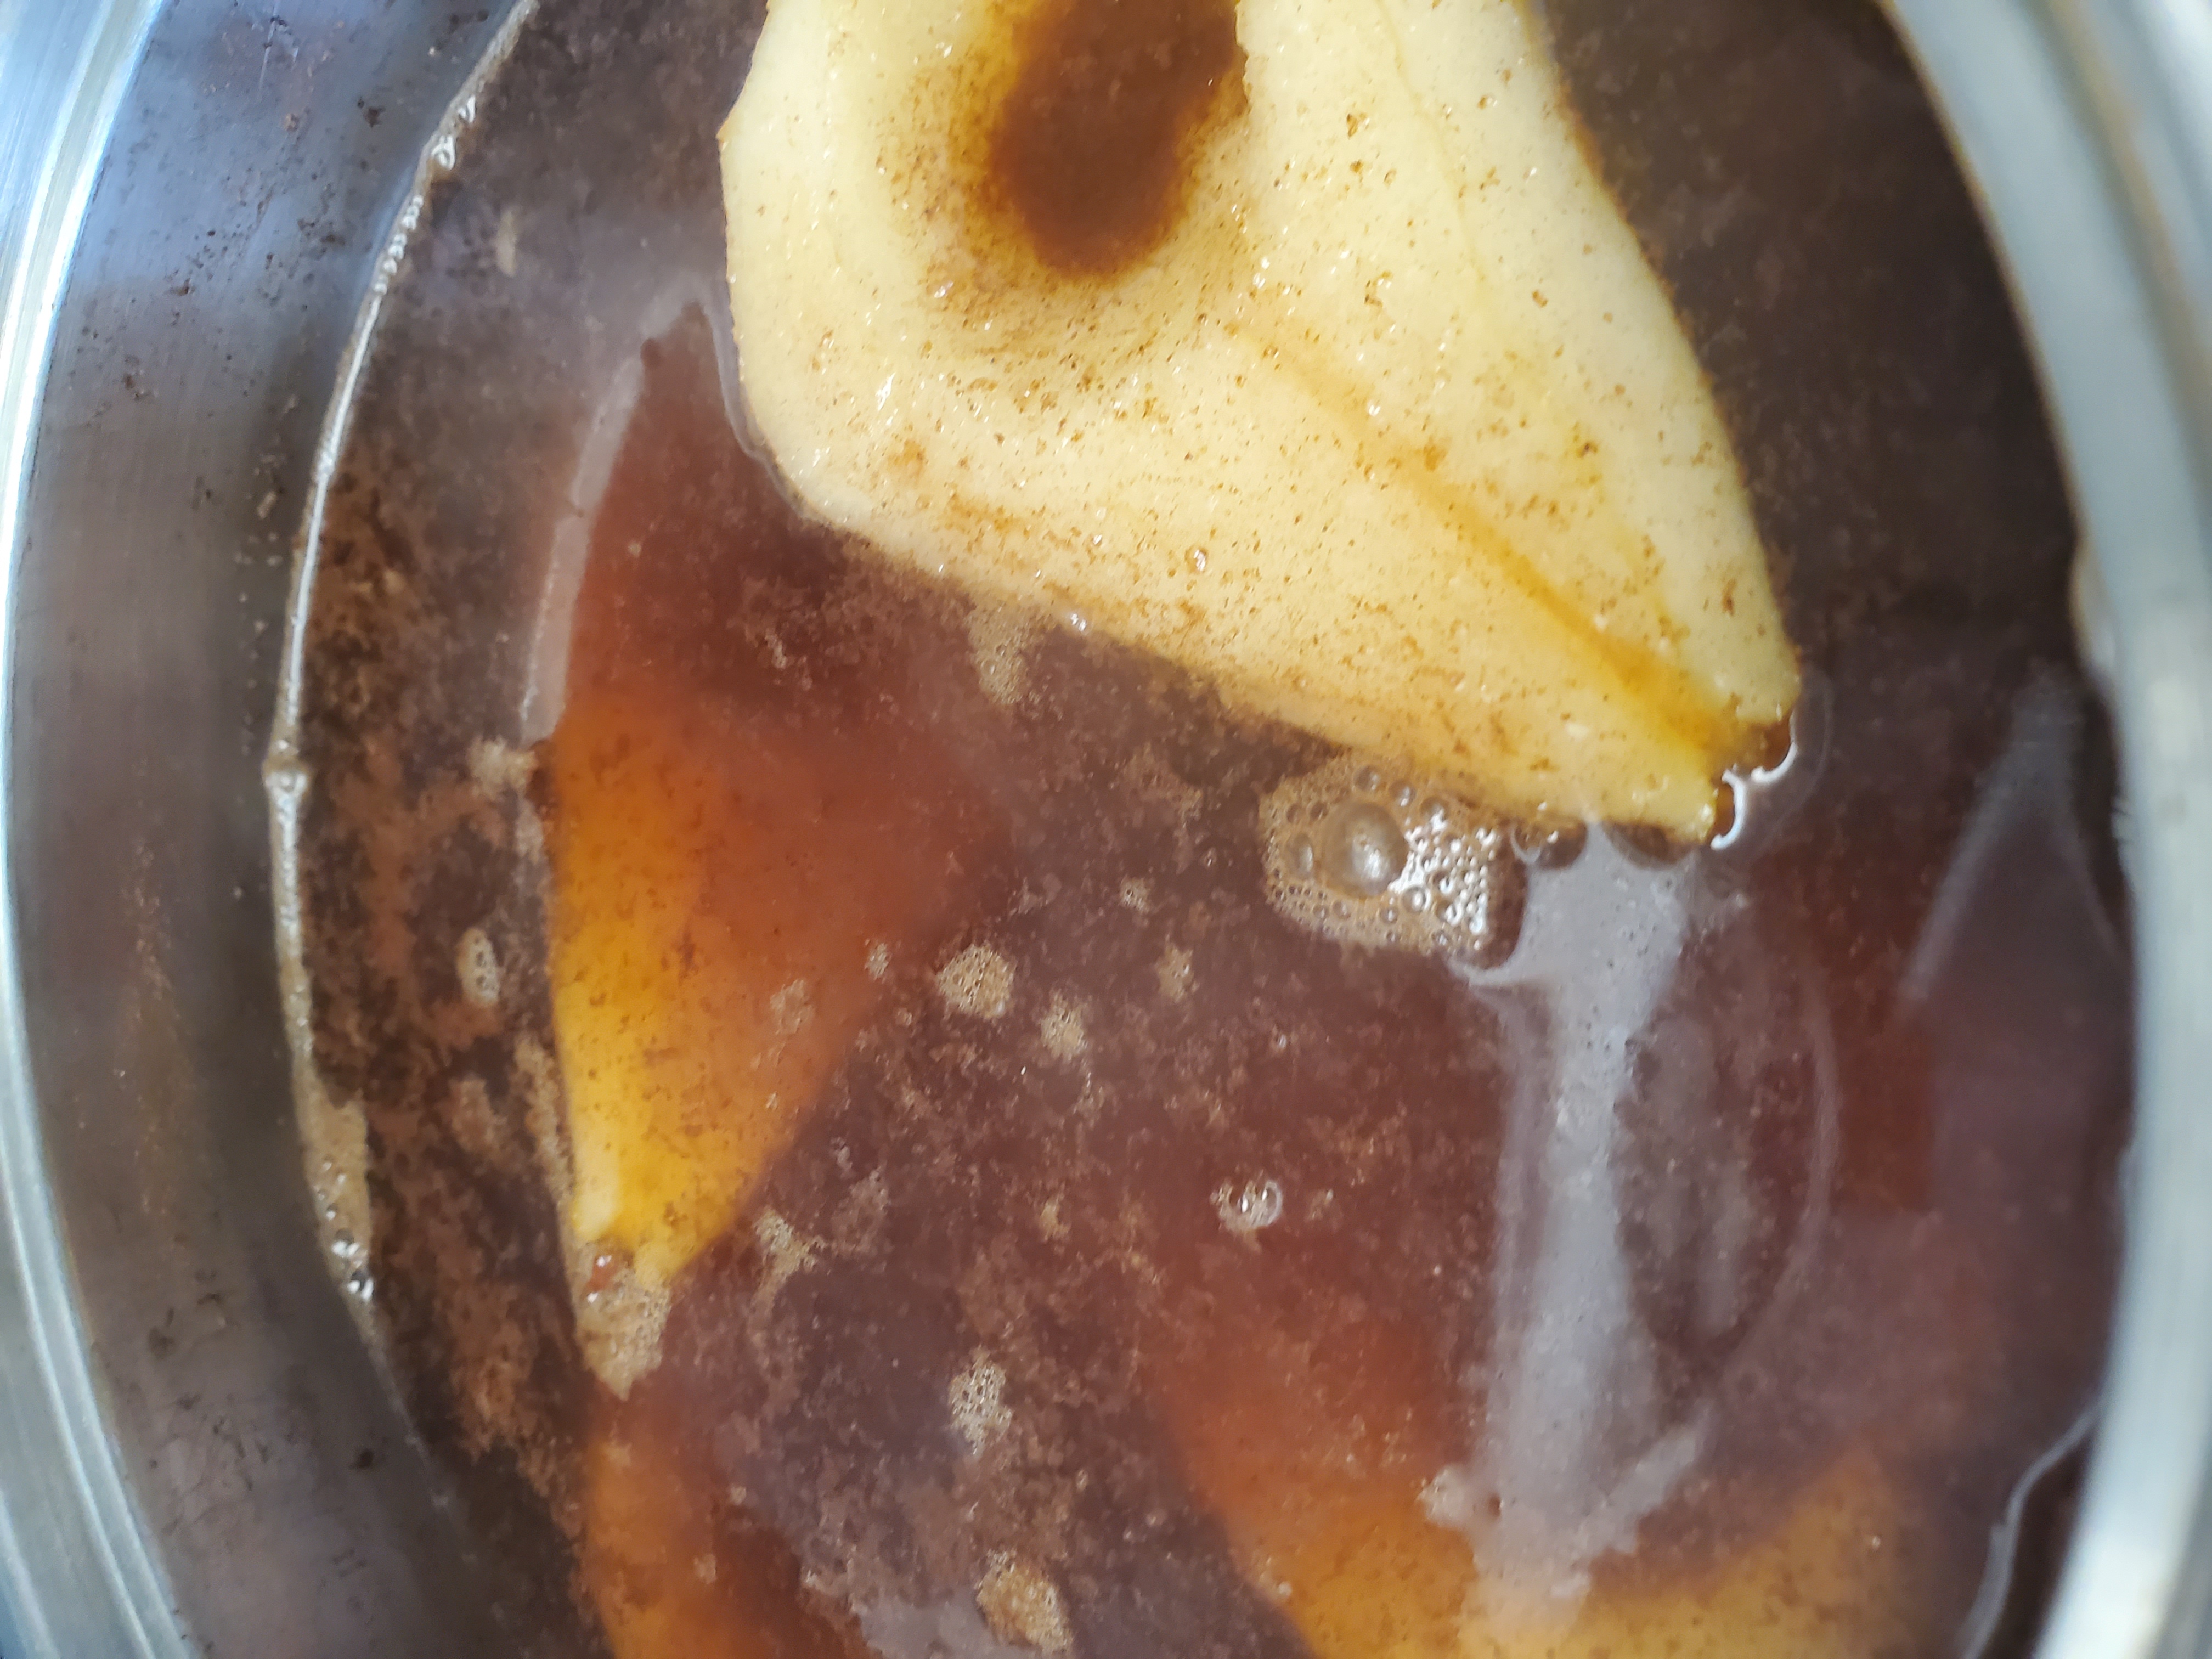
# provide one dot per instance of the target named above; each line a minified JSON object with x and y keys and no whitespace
{"x":1180,"y":1278}
{"x":1089,"y":148}
{"x":966,"y":1192}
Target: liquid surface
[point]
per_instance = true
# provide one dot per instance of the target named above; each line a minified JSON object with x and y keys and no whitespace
{"x":1404,"y":1309}
{"x":1070,"y":1243}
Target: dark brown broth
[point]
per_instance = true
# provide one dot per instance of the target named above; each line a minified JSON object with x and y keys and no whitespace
{"x":1088,"y":146}
{"x":1950,"y":1319}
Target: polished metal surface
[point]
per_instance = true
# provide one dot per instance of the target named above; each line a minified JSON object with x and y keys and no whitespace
{"x":2086,"y":126}
{"x":195,"y":1453}
{"x":191,"y":1440}
{"x":74,"y":1573}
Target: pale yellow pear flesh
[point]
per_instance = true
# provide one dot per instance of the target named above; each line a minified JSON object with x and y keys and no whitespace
{"x":1393,"y":435}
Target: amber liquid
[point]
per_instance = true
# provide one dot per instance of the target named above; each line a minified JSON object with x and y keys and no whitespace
{"x":1209,"y":1215}
{"x":1066,"y":1249}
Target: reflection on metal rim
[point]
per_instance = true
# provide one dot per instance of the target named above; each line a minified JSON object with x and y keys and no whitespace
{"x":76,"y":1574}
{"x":2083,"y":126}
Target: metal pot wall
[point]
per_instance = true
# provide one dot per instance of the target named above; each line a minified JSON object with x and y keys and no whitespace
{"x":196,"y":1451}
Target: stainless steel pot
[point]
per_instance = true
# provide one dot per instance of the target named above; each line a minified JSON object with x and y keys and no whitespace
{"x":196,"y":1452}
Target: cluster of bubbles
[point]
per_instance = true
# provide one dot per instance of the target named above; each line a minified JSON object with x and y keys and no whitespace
{"x":351,"y":1255}
{"x":1367,"y":858}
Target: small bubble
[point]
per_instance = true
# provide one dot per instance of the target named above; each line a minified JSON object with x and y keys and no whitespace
{"x":1642,"y":844}
{"x":1418,"y":900}
{"x":1435,"y":812}
{"x":1249,"y":1208}
{"x":477,"y":964}
{"x":1198,"y":559}
{"x":1367,"y":781}
{"x":1361,"y":850}
{"x":1553,"y":849}
{"x":1302,"y":856}
{"x":1402,"y":797}
{"x":1174,"y":973}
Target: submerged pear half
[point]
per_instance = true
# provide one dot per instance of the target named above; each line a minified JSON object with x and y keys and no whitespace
{"x":1294,"y":341}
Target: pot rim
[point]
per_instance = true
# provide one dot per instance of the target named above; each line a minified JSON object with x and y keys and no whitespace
{"x":2084,"y":126}
{"x":77,"y":1572}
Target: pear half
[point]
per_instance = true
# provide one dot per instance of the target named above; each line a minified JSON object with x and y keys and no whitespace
{"x":1294,"y":341}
